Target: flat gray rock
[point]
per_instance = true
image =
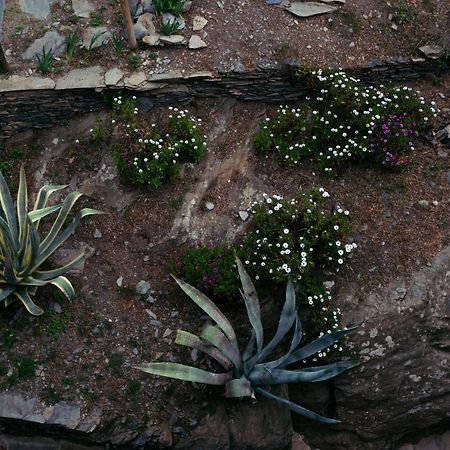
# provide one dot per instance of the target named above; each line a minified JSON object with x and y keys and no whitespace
{"x":113,"y":76}
{"x":16,"y":83}
{"x":90,"y":77}
{"x":51,"y":40}
{"x":195,"y":42}
{"x":432,"y":51}
{"x":82,"y":8}
{"x":39,"y":9}
{"x":15,"y":406}
{"x":175,"y":39}
{"x":67,"y":414}
{"x":309,"y":9}
{"x":90,"y":41}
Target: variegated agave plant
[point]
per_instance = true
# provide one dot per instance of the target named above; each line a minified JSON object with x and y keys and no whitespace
{"x":22,"y":252}
{"x":252,"y":372}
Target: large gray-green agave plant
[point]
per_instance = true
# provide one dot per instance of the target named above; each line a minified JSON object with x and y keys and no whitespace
{"x":22,"y":252}
{"x":252,"y":372}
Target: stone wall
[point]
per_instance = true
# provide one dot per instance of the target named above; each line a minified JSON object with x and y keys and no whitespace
{"x":27,"y":103}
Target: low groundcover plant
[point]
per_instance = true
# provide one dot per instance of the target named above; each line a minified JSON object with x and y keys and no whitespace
{"x":343,"y":121}
{"x":23,"y":252}
{"x":252,"y":372}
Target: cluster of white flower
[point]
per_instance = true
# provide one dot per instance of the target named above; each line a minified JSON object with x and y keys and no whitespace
{"x":327,"y":130}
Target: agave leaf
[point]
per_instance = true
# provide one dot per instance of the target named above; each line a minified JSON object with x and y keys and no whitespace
{"x":262,"y":376}
{"x":211,"y":309}
{"x":216,"y":337}
{"x":296,"y":338}
{"x":240,"y":387}
{"x":316,"y":346}
{"x":49,"y":274}
{"x":185,"y":373}
{"x":252,"y":304}
{"x":193,"y":341}
{"x":7,"y":238}
{"x":64,"y":212}
{"x":296,"y":408}
{"x":38,"y":214}
{"x":25,"y":298}
{"x":65,"y":286}
{"x":287,"y":318}
{"x":334,"y":369}
{"x":22,"y":207}
{"x":6,"y":291}
{"x":9,"y":211}
{"x":248,"y":352}
{"x":43,"y":196}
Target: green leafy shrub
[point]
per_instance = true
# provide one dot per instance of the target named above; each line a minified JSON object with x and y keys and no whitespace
{"x":22,"y":250}
{"x":299,"y":238}
{"x":150,"y":154}
{"x":344,"y":121}
{"x":254,"y":370}
{"x":169,"y":27}
{"x":210,"y":268}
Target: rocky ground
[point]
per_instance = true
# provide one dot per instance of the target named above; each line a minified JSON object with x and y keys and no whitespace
{"x":79,"y":356}
{"x":224,"y":35}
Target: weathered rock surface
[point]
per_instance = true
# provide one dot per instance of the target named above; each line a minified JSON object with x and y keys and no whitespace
{"x":81,"y":78}
{"x":309,"y":9}
{"x":195,"y":42}
{"x":402,"y":389}
{"x":95,"y":37}
{"x":39,"y":9}
{"x":82,"y":8}
{"x":51,"y":40}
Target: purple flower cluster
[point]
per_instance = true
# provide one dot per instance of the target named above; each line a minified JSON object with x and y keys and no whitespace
{"x":392,"y":137}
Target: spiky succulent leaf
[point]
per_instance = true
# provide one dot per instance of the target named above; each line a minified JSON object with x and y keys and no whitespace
{"x":252,"y":304}
{"x":193,"y":341}
{"x":240,"y":387}
{"x":21,"y":250}
{"x":211,"y":309}
{"x":316,"y":346}
{"x":216,"y":337}
{"x":185,"y":373}
{"x":296,"y":408}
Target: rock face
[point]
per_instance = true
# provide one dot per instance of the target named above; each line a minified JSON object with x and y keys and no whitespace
{"x":309,"y":9}
{"x":402,"y":388}
{"x":52,"y":40}
{"x":39,"y":9}
{"x":82,"y":8}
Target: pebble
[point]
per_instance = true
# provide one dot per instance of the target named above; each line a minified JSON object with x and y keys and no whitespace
{"x":328,"y":284}
{"x":57,"y":308}
{"x":209,"y":206}
{"x":143,"y":287}
{"x":423,"y":203}
{"x":119,"y":281}
{"x":243,"y":215}
{"x":97,"y":234}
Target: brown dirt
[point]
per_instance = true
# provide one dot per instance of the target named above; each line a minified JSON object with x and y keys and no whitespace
{"x":107,"y":329}
{"x":248,"y":30}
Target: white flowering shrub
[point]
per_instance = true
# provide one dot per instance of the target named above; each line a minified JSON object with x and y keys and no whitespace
{"x":344,"y":120}
{"x":151,"y":153}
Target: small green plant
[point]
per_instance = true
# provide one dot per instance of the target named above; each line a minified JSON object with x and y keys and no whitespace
{"x":45,"y":60}
{"x":153,"y":154}
{"x":72,"y":42}
{"x":403,"y":14}
{"x":26,"y":367}
{"x":95,"y":19}
{"x":134,"y":61}
{"x":118,"y":45}
{"x":169,"y":27}
{"x":174,"y":7}
{"x":23,"y":252}
{"x":94,"y":39}
{"x":7,"y":165}
{"x":253,"y":371}
{"x":154,"y":56}
{"x":343,"y":121}
{"x":210,"y":268}
{"x":133,"y":387}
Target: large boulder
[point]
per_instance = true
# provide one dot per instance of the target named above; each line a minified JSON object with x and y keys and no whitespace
{"x":401,"y":390}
